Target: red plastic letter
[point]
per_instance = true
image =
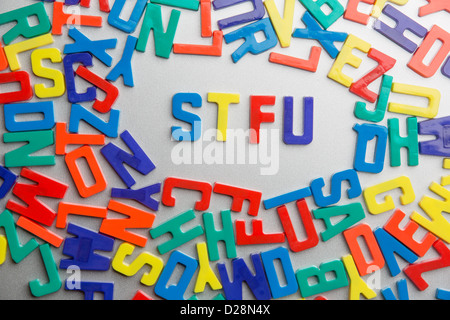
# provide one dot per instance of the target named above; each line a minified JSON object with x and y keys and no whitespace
{"x":406,"y":235}
{"x":36,"y":210}
{"x":257,"y":117}
{"x":25,"y":93}
{"x":3,"y":60}
{"x":104,"y":5}
{"x":363,"y":230}
{"x":417,"y":64}
{"x":63,"y":138}
{"x":39,"y":231}
{"x":213,"y":50}
{"x":61,"y":18}
{"x":111,"y":91}
{"x":352,"y":13}
{"x":239,"y":195}
{"x":171,"y":183}
{"x":87,"y":153}
{"x":137,"y":219}
{"x":385,"y":63}
{"x":64,"y":209}
{"x":414,"y":271}
{"x":311,"y":233}
{"x":309,"y":65}
{"x":205,"y":12}
{"x":258,"y":236}
{"x":434,"y":6}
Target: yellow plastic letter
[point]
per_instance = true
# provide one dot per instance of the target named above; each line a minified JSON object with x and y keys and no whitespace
{"x":59,"y":87}
{"x":433,"y":96}
{"x":438,"y":225}
{"x":3,"y":246}
{"x":13,"y":50}
{"x":222,"y":100}
{"x":357,"y":285}
{"x":347,"y":57}
{"x":445,"y":180}
{"x":282,"y":26}
{"x":401,"y":182}
{"x":205,"y":274}
{"x":145,"y":258}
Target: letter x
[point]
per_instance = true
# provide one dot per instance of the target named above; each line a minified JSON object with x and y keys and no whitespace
{"x":95,"y":47}
{"x":315,"y":31}
{"x":266,"y":309}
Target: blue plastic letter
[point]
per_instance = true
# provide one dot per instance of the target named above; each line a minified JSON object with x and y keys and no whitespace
{"x":402,"y":288}
{"x":9,"y":179}
{"x":117,"y":157}
{"x":130,"y":25}
{"x":89,"y":288}
{"x":389,"y":245}
{"x":82,"y":247}
{"x":142,"y":195}
{"x":251,"y":44}
{"x":96,"y":48}
{"x":78,"y":113}
{"x":367,"y":132}
{"x":12,"y":110}
{"x":314,"y":31}
{"x":308,"y":112}
{"x":241,"y":273}
{"x":440,"y":128}
{"x":176,"y":292}
{"x":268,"y":259}
{"x":69,"y":60}
{"x":196,"y":122}
{"x":256,"y":14}
{"x":123,"y":67}
{"x":336,"y":180}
